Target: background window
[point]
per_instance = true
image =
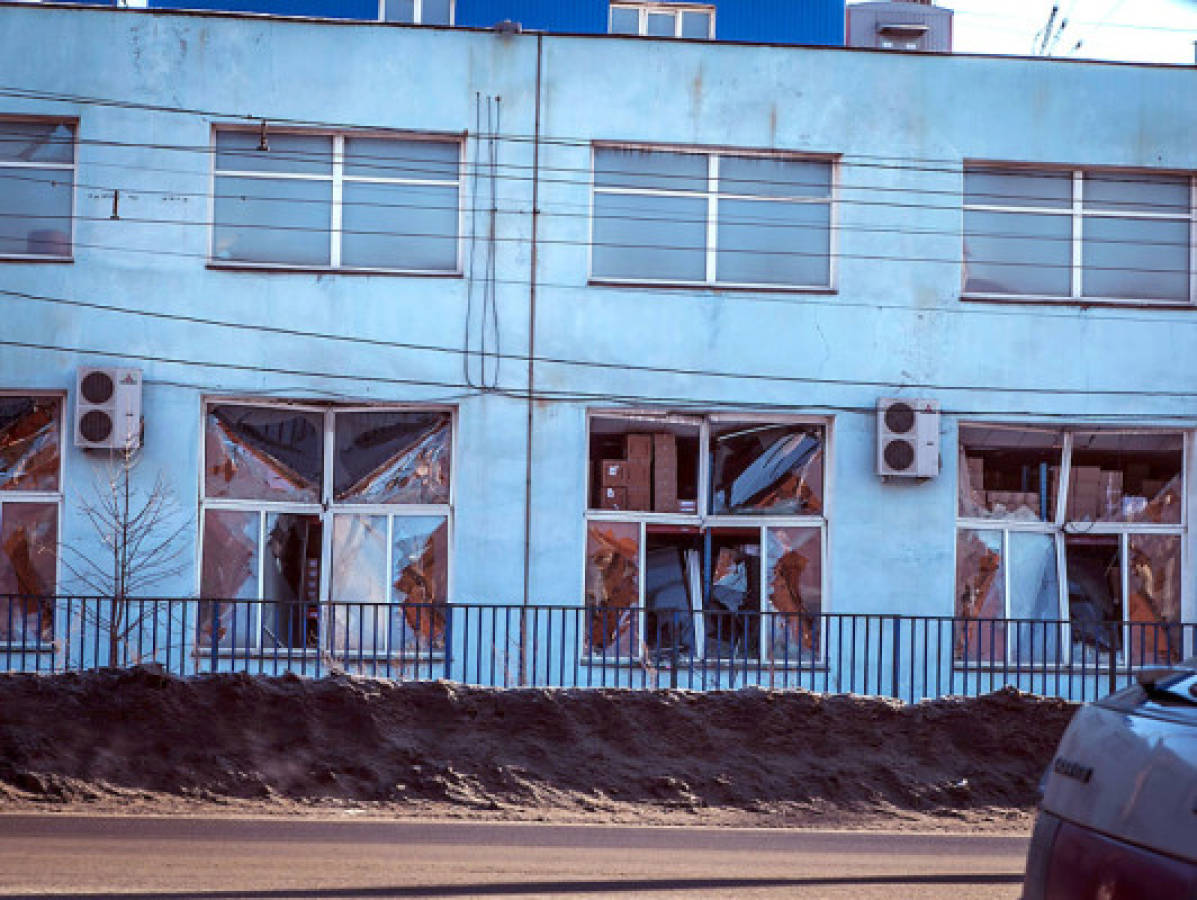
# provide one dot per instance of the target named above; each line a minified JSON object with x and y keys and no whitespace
{"x":417,"y":12}
{"x":1066,"y":234}
{"x":663,"y":20}
{"x":30,"y":463}
{"x":37,"y":177}
{"x":732,"y":219}
{"x":339,"y":201}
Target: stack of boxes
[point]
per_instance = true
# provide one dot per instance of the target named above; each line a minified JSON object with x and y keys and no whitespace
{"x":1087,"y":492}
{"x":646,"y":479}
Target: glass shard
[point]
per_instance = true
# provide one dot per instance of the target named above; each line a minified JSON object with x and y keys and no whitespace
{"x":612,"y":588}
{"x":29,"y":443}
{"x":262,"y":453}
{"x":420,"y":582}
{"x":28,"y":548}
{"x":392,"y":457}
{"x":773,"y":469}
{"x":980,"y":594}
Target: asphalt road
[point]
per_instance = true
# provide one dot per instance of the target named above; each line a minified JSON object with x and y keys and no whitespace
{"x":278,"y":859}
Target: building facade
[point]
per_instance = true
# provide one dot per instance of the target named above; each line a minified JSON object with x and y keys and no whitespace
{"x":598,"y":327}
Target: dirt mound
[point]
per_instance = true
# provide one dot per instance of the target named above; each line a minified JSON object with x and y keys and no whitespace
{"x":134,"y":733}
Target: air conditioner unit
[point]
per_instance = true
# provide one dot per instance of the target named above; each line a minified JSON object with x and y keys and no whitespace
{"x":907,"y":438}
{"x":108,"y":408}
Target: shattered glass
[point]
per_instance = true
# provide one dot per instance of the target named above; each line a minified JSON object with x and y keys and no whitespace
{"x":612,"y":588}
{"x":1155,"y":597}
{"x":230,"y":572}
{"x":291,"y":581}
{"x":1008,"y":473}
{"x":1094,"y":596}
{"x":420,"y":581}
{"x":1119,"y":477}
{"x":731,"y":620}
{"x":263,"y":453}
{"x":29,"y":443}
{"x":771,"y":469}
{"x":28,"y":544}
{"x":670,"y":568}
{"x":980,"y":594}
{"x":1035,"y":594}
{"x":359,"y":588}
{"x":795,"y":587}
{"x":392,"y":457}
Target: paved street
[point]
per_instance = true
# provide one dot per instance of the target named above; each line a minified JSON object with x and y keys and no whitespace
{"x":291,"y":858}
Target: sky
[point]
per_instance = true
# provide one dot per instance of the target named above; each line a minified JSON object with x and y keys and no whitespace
{"x":1133,"y":30}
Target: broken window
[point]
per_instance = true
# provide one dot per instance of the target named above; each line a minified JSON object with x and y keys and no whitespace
{"x":678,"y":488}
{"x":37,"y":178}
{"x":645,"y":464}
{"x":28,"y":544}
{"x":1109,"y":503}
{"x":767,"y":468}
{"x":392,"y":457}
{"x":342,"y":201}
{"x":612,"y":588}
{"x":30,"y":459}
{"x":682,"y":217}
{"x":264,"y":453}
{"x":795,"y":592}
{"x":1009,"y":473}
{"x":1126,"y":478}
{"x":980,"y":595}
{"x":274,"y":512}
{"x":1072,"y":234}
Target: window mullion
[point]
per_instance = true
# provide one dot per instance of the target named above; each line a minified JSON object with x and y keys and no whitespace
{"x":417,"y":11}
{"x":712,"y":215}
{"x":1078,"y":182}
{"x":1193,"y":239}
{"x":338,"y":173}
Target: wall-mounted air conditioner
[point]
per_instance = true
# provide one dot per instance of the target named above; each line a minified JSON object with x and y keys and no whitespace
{"x":907,"y":438}
{"x":108,"y":408}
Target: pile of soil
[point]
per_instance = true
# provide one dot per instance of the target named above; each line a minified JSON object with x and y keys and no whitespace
{"x":746,"y":757}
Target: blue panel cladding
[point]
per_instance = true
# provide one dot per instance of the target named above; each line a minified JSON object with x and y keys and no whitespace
{"x":562,"y":16}
{"x":325,"y":9}
{"x":762,"y":21}
{"x":765,"y":21}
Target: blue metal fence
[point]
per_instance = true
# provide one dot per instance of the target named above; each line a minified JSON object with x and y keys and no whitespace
{"x":906,"y":657}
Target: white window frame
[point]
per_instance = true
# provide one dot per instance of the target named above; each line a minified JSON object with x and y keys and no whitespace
{"x":337,"y":178}
{"x":1061,"y":526}
{"x":713,"y":195}
{"x":1077,"y":215}
{"x":644,"y":8}
{"x":70,"y":169}
{"x":327,"y":510}
{"x":20,"y":496}
{"x":417,"y":14}
{"x":705,"y":520}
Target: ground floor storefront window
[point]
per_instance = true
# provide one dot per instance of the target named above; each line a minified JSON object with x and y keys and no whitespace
{"x":325,"y":528}
{"x":1078,"y":534}
{"x":705,"y":537}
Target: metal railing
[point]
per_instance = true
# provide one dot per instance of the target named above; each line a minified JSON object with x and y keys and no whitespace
{"x":906,"y":657}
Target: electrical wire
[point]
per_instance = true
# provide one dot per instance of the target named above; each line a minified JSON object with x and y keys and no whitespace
{"x":589,"y":364}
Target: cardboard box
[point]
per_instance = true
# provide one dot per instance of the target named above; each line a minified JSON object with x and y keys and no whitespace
{"x":1084,"y":493}
{"x":624,"y":473}
{"x":613,"y":498}
{"x":639,"y":498}
{"x":640,"y":446}
{"x":1152,"y":488}
{"x":976,"y":472}
{"x":665,"y":472}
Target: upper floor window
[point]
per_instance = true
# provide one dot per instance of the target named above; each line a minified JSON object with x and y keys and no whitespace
{"x":664,"y":20}
{"x":1057,"y":234}
{"x":37,"y":178}
{"x":30,"y":496}
{"x":730,"y":219}
{"x":340,"y":201}
{"x":416,"y":12}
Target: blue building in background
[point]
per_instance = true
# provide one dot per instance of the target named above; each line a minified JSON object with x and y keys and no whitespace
{"x":815,"y":22}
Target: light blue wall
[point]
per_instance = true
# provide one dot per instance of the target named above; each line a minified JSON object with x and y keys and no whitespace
{"x":894,"y":325}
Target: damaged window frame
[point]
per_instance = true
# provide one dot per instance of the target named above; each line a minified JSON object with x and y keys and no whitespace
{"x":712,"y":194}
{"x":337,"y":179}
{"x":20,"y":496}
{"x":708,"y":526}
{"x":383,"y":643}
{"x":68,"y":171}
{"x":1078,"y":215}
{"x":1060,"y":528}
